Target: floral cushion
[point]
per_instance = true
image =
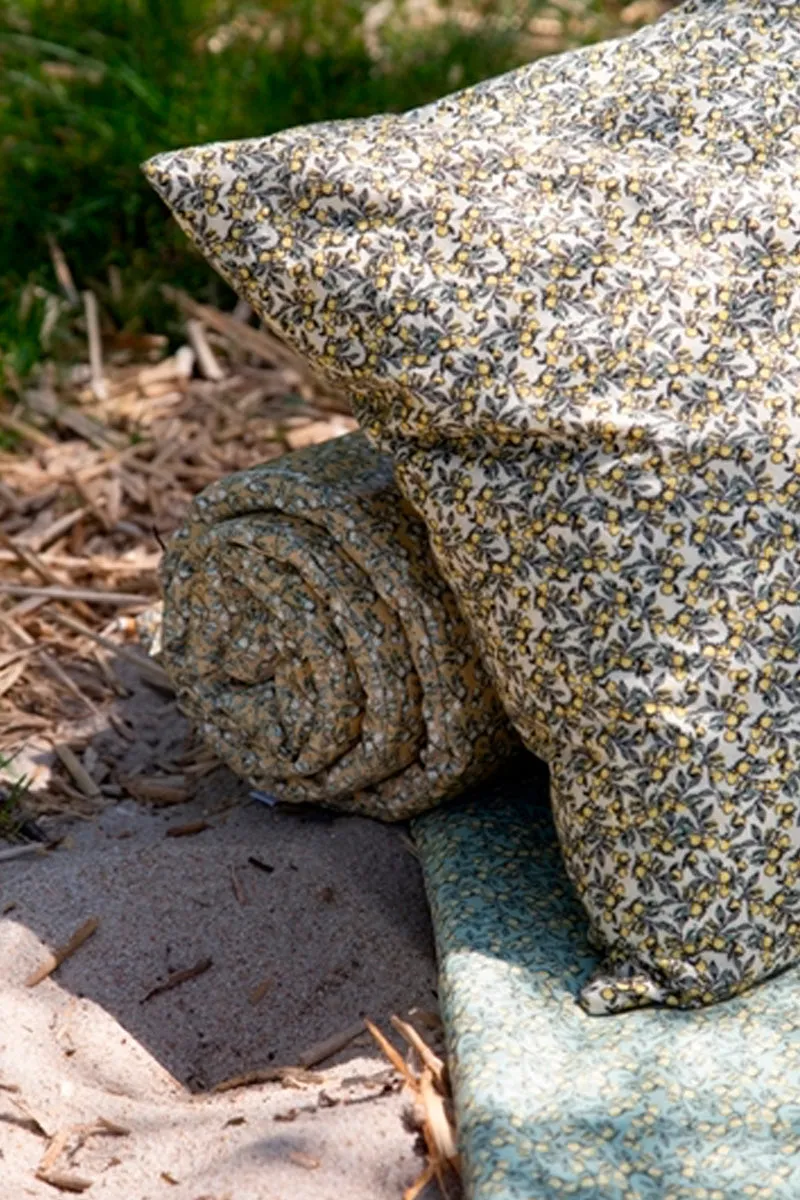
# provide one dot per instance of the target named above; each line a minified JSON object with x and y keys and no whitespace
{"x":566,"y":302}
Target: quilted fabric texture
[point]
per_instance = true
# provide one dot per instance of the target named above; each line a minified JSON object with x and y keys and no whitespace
{"x":566,"y":302}
{"x":313,"y":642}
{"x":650,"y":1105}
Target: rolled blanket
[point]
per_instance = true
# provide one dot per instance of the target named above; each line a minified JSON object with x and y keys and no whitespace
{"x":312,"y":640}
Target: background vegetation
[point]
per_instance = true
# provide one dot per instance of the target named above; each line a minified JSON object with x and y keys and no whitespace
{"x":90,"y":88}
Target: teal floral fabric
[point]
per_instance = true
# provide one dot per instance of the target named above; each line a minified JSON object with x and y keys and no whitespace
{"x":566,"y":303}
{"x":655,"y":1104}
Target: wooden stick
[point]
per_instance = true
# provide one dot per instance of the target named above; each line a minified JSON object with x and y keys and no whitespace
{"x":156,"y":789}
{"x":44,"y":401}
{"x":238,"y":890}
{"x":99,"y":386}
{"x":30,"y":559}
{"x":49,"y":663}
{"x":268,"y":1075}
{"x":58,"y":528}
{"x":178,"y":366}
{"x":393,"y":1055}
{"x":7,"y":855}
{"x":257,"y":341}
{"x":58,"y":1144}
{"x":64,"y":593}
{"x":206,"y":359}
{"x":63,"y":273}
{"x":192,"y":827}
{"x":424,"y":1179}
{"x":148,"y":669}
{"x":14,"y":655}
{"x":97,"y":512}
{"x":64,"y":1182}
{"x":427,"y":1056}
{"x":62,"y":953}
{"x":260,"y":990}
{"x":94,"y":564}
{"x":29,"y":432}
{"x":82,"y":778}
{"x":11,"y":675}
{"x":441,"y":1131}
{"x":330,"y":1046}
{"x":176,"y":978}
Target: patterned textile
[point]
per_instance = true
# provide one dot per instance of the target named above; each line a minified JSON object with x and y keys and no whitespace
{"x":566,"y":301}
{"x":649,"y":1105}
{"x":316,"y":647}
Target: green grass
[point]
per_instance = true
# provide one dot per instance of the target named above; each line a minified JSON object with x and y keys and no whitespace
{"x":92,"y":87}
{"x":12,"y":798}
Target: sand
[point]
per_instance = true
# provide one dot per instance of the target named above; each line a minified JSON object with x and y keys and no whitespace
{"x":331,"y":927}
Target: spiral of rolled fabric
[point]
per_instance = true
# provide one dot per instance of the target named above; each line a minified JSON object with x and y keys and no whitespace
{"x":312,"y":641}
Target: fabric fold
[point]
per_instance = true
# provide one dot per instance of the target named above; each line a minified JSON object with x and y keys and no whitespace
{"x":312,"y":640}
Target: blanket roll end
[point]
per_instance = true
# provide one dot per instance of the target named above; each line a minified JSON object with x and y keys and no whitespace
{"x":313,"y":642}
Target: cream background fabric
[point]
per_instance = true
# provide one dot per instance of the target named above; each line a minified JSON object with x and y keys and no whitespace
{"x":567,"y":304}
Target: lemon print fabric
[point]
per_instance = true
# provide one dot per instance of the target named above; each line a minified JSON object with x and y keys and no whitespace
{"x":315,"y":646}
{"x":567,"y":303}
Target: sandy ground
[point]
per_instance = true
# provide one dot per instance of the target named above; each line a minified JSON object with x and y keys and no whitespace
{"x":328,"y":925}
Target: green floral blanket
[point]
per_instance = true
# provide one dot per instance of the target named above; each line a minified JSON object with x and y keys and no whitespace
{"x":655,"y":1104}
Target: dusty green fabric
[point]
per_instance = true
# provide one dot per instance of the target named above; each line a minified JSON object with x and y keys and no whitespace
{"x":656,"y":1104}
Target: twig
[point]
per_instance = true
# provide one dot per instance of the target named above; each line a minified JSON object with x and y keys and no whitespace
{"x":330,"y":1046}
{"x":62,"y":953}
{"x":45,"y":402}
{"x":260,"y":990}
{"x":176,"y":978}
{"x":99,"y":385}
{"x":256,"y":341}
{"x":238,"y":890}
{"x":65,"y":593}
{"x":29,"y":432}
{"x":206,"y":359}
{"x":427,"y":1056}
{"x":81,"y":776}
{"x":96,"y":563}
{"x":442,"y":1142}
{"x":29,"y":558}
{"x":419,"y":1184}
{"x":12,"y":852}
{"x":394,"y":1057}
{"x":187,"y":830}
{"x":97,"y":512}
{"x":58,"y":1144}
{"x":179,"y":366}
{"x":49,"y":663}
{"x":268,"y":1075}
{"x":63,"y":273}
{"x":262,"y":866}
{"x":64,"y":1182}
{"x":148,"y":669}
{"x":157,"y":789}
{"x":58,"y":528}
